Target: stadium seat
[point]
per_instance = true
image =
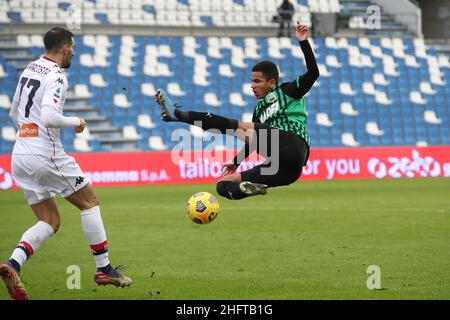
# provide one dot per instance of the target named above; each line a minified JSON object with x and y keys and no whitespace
{"x":425,"y":87}
{"x":332,"y":61}
{"x":247,"y":89}
{"x":372,"y":128}
{"x":346,"y":89}
{"x":81,"y":145}
{"x":2,"y":72}
{"x":5,"y":102}
{"x":148,"y":89}
{"x":367,"y":86}
{"x":130,"y":132}
{"x":347,"y":109}
{"x":145,"y":121}
{"x":323,"y":120}
{"x":416,"y":97}
{"x":382,"y":98}
{"x":8,"y":133}
{"x":156,"y":143}
{"x":211,"y":99}
{"x":173,"y":88}
{"x":225,"y":70}
{"x":237,"y":100}
{"x":379,"y":78}
{"x":431,"y":117}
{"x":82,"y":91}
{"x":96,"y":79}
{"x":421,"y":143}
{"x":120,"y":100}
{"x":349,"y":140}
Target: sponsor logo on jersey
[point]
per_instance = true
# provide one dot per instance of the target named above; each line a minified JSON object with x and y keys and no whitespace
{"x":28,"y":130}
{"x":57,"y":93}
{"x":60,"y":81}
{"x":271,"y":98}
{"x":270,"y":111}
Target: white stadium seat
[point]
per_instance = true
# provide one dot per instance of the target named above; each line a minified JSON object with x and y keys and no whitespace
{"x":431,"y":117}
{"x":237,"y":100}
{"x":211,"y":99}
{"x":130,"y":132}
{"x":8,"y":133}
{"x":372,"y":129}
{"x":323,"y":120}
{"x":145,"y":121}
{"x":156,"y":143}
{"x":81,"y":145}
{"x":120,"y":100}
{"x":348,"y":139}
{"x":347,"y":109}
{"x":5,"y":102}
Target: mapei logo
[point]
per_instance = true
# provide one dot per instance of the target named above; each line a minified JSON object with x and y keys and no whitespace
{"x":398,"y":167}
{"x":6,"y":180}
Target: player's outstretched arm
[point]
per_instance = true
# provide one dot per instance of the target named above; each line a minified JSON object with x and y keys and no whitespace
{"x":303,"y":84}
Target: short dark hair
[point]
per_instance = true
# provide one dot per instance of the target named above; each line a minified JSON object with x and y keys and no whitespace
{"x":57,"y":37}
{"x":268,"y":69}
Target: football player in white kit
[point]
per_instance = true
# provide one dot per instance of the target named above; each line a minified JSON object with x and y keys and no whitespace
{"x":42,"y":169}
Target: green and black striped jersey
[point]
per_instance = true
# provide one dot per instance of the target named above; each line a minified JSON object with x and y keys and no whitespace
{"x":280,"y":110}
{"x":284,"y":107}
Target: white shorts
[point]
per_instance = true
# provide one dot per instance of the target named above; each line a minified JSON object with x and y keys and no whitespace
{"x":42,"y":177}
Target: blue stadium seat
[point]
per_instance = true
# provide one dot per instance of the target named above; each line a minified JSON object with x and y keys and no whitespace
{"x":402,"y":121}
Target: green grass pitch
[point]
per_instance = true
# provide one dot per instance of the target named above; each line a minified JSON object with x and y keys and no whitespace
{"x":310,"y":240}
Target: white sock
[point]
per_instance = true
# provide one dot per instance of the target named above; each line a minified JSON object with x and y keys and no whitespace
{"x":31,"y":240}
{"x":93,"y":228}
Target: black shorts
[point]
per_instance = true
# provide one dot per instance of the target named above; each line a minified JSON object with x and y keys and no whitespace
{"x":293,"y":153}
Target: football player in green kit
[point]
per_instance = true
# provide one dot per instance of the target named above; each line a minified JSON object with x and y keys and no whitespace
{"x":278,"y":131}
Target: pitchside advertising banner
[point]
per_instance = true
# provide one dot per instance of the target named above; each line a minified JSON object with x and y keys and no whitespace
{"x":148,"y":168}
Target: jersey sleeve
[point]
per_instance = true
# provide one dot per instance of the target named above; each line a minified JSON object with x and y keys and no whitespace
{"x":299,"y":87}
{"x":51,"y":118}
{"x":54,"y":91}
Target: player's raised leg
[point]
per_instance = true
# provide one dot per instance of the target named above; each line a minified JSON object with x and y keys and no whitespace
{"x":206,"y":120}
{"x":92,"y":223}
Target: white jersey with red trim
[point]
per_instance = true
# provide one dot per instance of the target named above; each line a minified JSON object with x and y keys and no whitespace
{"x":41,"y":84}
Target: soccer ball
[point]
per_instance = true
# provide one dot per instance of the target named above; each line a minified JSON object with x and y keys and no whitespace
{"x":202,"y":207}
